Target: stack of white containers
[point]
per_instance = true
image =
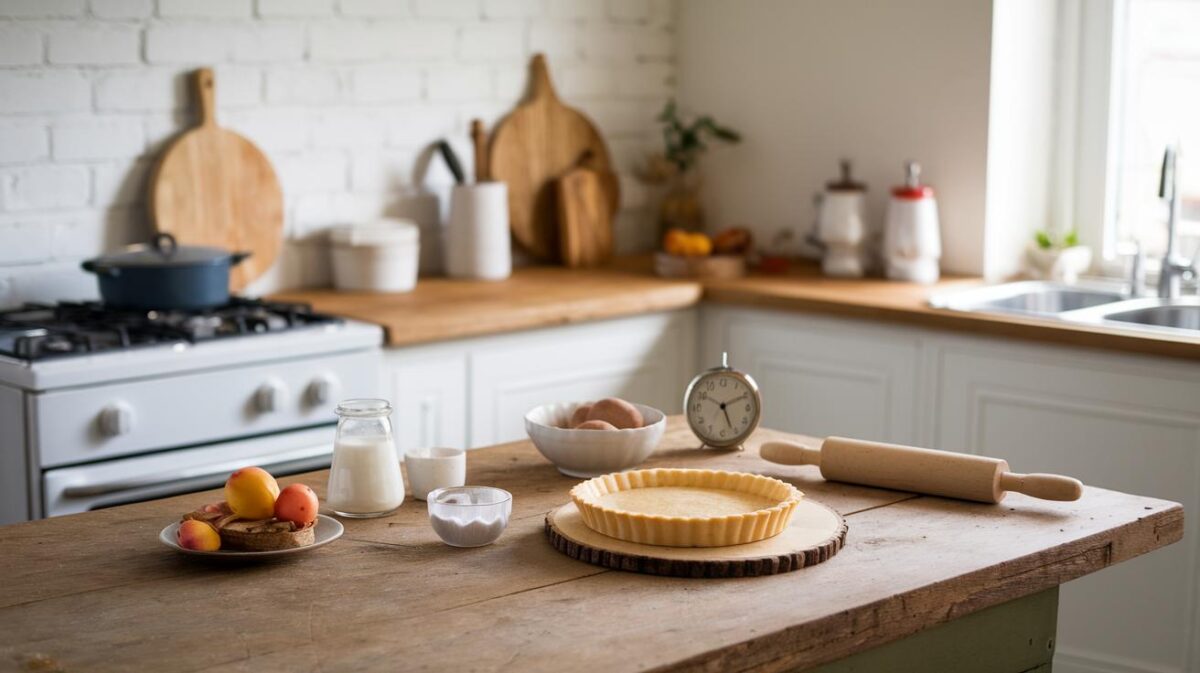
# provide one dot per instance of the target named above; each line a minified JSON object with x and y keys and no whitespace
{"x":379,"y":256}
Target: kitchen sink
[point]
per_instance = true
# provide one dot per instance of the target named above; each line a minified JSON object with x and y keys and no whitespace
{"x":1029,"y":297}
{"x":1175,"y":314}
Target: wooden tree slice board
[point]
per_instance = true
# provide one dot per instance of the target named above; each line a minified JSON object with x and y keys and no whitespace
{"x":814,"y":535}
{"x":214,"y":187}
{"x":538,"y":142}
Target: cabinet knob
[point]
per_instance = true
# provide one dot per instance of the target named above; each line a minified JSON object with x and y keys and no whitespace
{"x":270,"y":396}
{"x":321,"y":390}
{"x":116,"y":419}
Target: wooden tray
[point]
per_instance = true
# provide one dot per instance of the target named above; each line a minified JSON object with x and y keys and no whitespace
{"x":814,"y":535}
{"x":714,"y":267}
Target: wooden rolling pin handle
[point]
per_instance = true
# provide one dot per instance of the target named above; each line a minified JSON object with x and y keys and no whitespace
{"x":790,"y":453}
{"x":1044,"y":486}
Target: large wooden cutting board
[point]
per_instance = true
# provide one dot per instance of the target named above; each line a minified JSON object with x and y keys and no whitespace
{"x":537,"y":143}
{"x":215,"y":187}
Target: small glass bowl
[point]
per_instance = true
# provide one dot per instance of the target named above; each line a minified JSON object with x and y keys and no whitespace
{"x":469,"y":516}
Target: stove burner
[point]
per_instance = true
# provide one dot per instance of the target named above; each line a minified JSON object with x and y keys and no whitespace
{"x":39,"y":331}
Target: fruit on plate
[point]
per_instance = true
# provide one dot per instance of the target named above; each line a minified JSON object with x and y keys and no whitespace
{"x":595,"y":425}
{"x":298,"y":504}
{"x":616,"y":412}
{"x":687,"y":244}
{"x":198,"y":535}
{"x":732,"y":241}
{"x":251,"y":493}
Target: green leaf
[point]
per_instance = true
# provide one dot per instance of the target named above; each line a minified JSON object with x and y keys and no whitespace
{"x":1071,"y":239}
{"x":1043,"y":240}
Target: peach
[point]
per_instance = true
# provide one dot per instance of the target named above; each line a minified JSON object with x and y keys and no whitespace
{"x":580,"y":415}
{"x":251,"y":493}
{"x":297,"y":503}
{"x":198,"y":535}
{"x":595,"y":425}
{"x":618,"y":412}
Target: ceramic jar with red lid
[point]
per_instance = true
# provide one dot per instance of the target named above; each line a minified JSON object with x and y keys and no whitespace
{"x":912,"y":240}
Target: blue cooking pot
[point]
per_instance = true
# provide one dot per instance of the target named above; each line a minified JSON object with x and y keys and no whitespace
{"x":163,"y":275}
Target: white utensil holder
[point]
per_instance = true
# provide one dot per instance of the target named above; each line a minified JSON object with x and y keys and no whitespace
{"x":478,"y":242}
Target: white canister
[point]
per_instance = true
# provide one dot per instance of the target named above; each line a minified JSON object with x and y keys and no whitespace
{"x":841,"y":224}
{"x":912,"y":244}
{"x":379,"y":256}
{"x":478,"y":243}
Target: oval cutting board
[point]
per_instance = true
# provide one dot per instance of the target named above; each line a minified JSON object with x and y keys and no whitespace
{"x":215,"y":187}
{"x":814,"y":535}
{"x":537,"y":143}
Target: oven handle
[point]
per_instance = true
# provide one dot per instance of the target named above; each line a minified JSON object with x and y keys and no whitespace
{"x":163,"y":478}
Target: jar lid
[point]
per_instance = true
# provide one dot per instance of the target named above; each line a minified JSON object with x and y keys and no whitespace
{"x":385,"y":231}
{"x":912,"y":189}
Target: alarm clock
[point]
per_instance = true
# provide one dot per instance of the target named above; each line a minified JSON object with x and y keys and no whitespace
{"x":723,"y":406}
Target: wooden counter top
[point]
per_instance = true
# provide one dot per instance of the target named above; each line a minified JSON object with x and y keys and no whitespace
{"x":544,"y":296}
{"x":98,"y":592}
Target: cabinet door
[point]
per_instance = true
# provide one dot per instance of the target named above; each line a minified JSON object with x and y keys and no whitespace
{"x":1120,"y":422}
{"x":648,"y":359}
{"x":429,"y":396}
{"x":823,"y":376}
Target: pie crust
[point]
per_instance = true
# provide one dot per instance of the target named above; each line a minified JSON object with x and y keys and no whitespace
{"x":686,"y":508}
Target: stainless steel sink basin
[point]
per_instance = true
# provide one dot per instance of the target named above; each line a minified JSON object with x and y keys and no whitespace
{"x":1174,"y":314}
{"x":1029,"y":297}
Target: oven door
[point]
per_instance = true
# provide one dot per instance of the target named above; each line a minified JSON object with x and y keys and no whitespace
{"x":82,"y":488}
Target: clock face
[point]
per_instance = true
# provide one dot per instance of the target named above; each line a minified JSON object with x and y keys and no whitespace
{"x":722,"y":408}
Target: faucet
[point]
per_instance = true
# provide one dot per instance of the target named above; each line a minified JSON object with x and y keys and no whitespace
{"x":1174,"y":267}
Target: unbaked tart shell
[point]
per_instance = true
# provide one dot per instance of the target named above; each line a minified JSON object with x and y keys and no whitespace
{"x":701,"y":530}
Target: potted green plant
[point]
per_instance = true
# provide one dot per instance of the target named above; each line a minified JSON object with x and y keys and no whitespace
{"x":684,"y":142}
{"x":1058,"y":257}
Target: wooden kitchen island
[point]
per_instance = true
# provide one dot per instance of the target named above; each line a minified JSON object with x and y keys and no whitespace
{"x":923,"y":584}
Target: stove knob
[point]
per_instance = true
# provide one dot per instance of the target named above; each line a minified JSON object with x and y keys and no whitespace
{"x":116,"y":419}
{"x":321,"y":389}
{"x":269,"y":396}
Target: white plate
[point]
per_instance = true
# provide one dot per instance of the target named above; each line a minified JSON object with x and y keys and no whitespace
{"x":328,"y":529}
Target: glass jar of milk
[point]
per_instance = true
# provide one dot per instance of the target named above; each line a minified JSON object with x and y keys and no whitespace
{"x":364,"y":480}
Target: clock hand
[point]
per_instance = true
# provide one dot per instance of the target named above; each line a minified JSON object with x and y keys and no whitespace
{"x":726,"y":412}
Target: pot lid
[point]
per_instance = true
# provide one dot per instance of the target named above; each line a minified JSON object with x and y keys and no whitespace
{"x":385,"y":231}
{"x":912,"y":189}
{"x":163,"y":250}
{"x":845,"y":183}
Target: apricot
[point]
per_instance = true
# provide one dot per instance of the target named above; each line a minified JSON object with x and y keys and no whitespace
{"x":251,"y":493}
{"x":675,"y":242}
{"x":733,"y":241}
{"x":579,"y":415}
{"x":198,"y":535}
{"x":699,"y":245}
{"x":297,"y":503}
{"x":595,"y":425}
{"x":617,"y":412}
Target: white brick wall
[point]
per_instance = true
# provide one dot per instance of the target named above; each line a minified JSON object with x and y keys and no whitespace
{"x":345,"y":96}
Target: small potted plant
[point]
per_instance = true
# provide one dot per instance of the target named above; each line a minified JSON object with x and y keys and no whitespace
{"x":684,"y":142}
{"x":1059,"y":258}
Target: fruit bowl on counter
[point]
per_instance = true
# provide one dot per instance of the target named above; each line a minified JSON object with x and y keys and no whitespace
{"x":694,"y":255}
{"x":587,"y":453}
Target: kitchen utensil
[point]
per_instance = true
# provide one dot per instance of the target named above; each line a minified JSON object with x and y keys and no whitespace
{"x":479,"y":142}
{"x":841,"y":225}
{"x":538,"y":142}
{"x":327,"y":530}
{"x":469,"y":516}
{"x":431,"y":469}
{"x":585,"y":218}
{"x":814,"y":535}
{"x":452,"y":162}
{"x":214,"y":187}
{"x":589,"y":453}
{"x":912,"y":243}
{"x":713,"y":267}
{"x":379,"y":256}
{"x":908,"y":468}
{"x":723,"y":406}
{"x":478,"y":241}
{"x":164,"y":275}
{"x":364,"y":479}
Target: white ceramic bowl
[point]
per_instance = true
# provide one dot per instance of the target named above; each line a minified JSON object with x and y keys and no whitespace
{"x":590,"y":453}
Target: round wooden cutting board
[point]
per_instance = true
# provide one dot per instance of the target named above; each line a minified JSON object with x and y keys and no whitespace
{"x":814,"y":535}
{"x":537,"y":143}
{"x":214,"y":187}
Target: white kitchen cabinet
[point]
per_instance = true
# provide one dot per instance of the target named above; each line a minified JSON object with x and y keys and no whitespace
{"x":821,"y":376}
{"x":428,"y":388}
{"x":1130,"y":423}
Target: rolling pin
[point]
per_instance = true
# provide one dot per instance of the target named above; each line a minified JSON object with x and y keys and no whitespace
{"x":908,"y":468}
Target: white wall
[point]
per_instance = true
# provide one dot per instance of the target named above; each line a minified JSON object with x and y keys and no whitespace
{"x":810,"y":81}
{"x":341,"y":94}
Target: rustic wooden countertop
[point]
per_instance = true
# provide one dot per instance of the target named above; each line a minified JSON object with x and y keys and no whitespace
{"x":543,"y":296}
{"x":98,"y":592}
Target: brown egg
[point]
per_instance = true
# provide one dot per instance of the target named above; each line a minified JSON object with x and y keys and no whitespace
{"x":617,"y":412}
{"x":580,"y":415}
{"x":595,"y":425}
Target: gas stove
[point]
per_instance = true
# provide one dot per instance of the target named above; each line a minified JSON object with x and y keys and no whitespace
{"x":38,"y":331}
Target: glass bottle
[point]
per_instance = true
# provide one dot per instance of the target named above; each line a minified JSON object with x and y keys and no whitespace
{"x":365,"y":479}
